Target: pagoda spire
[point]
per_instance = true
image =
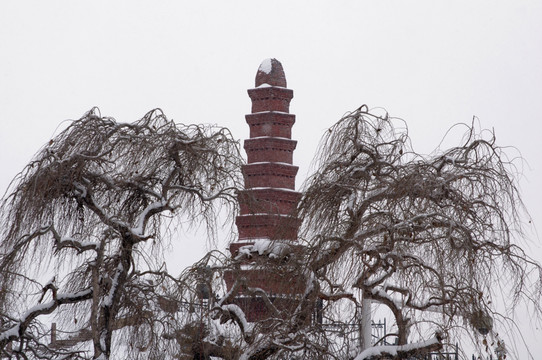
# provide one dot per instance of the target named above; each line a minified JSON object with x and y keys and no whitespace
{"x":270,"y":73}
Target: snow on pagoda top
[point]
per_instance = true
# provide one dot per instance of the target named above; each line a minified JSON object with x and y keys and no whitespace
{"x":271,"y":73}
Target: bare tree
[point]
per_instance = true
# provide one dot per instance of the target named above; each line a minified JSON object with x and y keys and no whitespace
{"x":433,"y":239}
{"x":429,"y":237}
{"x":94,"y":207}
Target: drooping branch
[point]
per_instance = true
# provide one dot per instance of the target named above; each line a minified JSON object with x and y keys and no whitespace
{"x":107,"y":191}
{"x":18,"y":329}
{"x":416,"y":232}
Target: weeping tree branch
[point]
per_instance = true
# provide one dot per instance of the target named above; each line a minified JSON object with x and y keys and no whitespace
{"x":111,"y":188}
{"x":417,"y":232}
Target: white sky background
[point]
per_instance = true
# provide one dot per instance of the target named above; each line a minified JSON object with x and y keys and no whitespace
{"x":432,"y":63}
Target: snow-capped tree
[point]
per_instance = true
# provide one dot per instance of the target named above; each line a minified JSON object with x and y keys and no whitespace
{"x":432,"y":239}
{"x":94,"y":207}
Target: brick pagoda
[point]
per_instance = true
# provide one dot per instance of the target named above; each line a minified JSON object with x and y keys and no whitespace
{"x":267,"y":225}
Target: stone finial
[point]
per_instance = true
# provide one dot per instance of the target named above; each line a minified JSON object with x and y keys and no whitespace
{"x":271,"y":72}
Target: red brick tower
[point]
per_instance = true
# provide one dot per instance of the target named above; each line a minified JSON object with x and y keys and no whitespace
{"x":266,"y":224}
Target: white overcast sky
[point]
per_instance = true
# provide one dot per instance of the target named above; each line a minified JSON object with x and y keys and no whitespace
{"x":432,"y":63}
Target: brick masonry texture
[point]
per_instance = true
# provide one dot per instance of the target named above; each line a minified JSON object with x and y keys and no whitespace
{"x":269,"y":201}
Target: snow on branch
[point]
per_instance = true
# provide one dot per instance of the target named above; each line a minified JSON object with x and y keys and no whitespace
{"x":150,"y":210}
{"x":401,"y":351}
{"x":237,"y":315}
{"x":69,"y":242}
{"x":18,"y":329}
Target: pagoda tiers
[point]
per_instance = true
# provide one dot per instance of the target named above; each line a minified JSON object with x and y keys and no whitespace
{"x":267,"y":205}
{"x":269,"y":198}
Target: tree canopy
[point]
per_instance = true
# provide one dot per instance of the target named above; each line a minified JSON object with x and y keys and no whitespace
{"x":431,"y":238}
{"x":93,"y":206}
